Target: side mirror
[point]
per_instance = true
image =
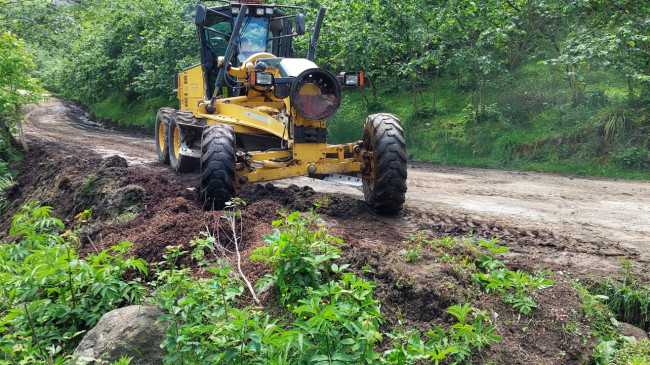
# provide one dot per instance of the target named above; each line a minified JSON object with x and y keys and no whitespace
{"x":300,"y":24}
{"x":199,"y":19}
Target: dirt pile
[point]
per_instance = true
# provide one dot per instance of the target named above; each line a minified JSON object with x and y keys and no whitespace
{"x":154,"y":208}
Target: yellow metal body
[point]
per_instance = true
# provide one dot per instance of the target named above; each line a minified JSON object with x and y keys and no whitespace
{"x":254,"y":114}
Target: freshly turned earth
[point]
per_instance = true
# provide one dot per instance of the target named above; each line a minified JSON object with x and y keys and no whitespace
{"x":576,"y":227}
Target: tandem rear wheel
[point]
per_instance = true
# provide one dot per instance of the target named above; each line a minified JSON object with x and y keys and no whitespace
{"x":180,"y":162}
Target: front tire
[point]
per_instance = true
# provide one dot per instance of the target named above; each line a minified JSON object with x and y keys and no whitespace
{"x":218,"y":183}
{"x":384,"y":137}
{"x":163,"y":118}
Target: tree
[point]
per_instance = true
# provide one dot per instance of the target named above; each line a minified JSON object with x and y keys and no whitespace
{"x":134,"y":48}
{"x":17,"y":88}
{"x":474,"y":35}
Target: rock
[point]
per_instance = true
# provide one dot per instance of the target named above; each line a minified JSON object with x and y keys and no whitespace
{"x":128,"y":196}
{"x":131,"y":331}
{"x":629,"y":330}
{"x":114,"y":161}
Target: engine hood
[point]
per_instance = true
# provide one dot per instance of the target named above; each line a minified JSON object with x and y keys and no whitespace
{"x":289,"y":67}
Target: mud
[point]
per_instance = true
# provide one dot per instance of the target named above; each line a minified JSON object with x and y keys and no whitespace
{"x":575,"y":227}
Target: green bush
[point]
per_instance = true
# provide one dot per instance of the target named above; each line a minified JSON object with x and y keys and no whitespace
{"x":633,"y":353}
{"x":515,"y":287}
{"x":631,"y":157}
{"x":298,"y":253}
{"x":49,"y":296}
{"x":322,"y":315}
{"x":340,"y":322}
{"x":470,"y":334}
{"x":17,"y":87}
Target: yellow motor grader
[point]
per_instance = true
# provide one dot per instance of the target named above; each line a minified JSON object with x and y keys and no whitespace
{"x":253,"y":112}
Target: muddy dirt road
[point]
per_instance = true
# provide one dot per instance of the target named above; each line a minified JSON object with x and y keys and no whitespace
{"x":578,"y":224}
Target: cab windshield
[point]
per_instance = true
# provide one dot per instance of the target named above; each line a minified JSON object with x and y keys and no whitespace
{"x":254,"y":37}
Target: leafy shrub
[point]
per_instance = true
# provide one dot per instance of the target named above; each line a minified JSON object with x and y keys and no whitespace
{"x":631,"y":157}
{"x":340,"y":322}
{"x":414,"y":249}
{"x":422,"y":113}
{"x":6,"y":181}
{"x":206,"y":326}
{"x":17,"y":87}
{"x":468,"y":335}
{"x":298,"y":255}
{"x":490,"y":114}
{"x":49,"y":295}
{"x":596,"y":98}
{"x":633,"y":353}
{"x":514,"y":286}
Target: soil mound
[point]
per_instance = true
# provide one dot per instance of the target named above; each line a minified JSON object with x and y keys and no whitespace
{"x":154,"y":208}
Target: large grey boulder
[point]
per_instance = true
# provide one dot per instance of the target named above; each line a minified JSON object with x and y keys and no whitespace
{"x":131,"y":331}
{"x":629,"y":330}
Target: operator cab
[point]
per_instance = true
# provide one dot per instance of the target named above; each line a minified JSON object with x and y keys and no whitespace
{"x":268,"y":28}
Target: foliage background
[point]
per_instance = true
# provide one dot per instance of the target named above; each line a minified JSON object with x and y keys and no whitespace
{"x":548,"y":85}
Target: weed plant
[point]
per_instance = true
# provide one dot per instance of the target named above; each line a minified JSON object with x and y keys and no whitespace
{"x":467,"y":336}
{"x":6,"y":181}
{"x":633,"y":353}
{"x":478,"y":259}
{"x":49,"y":296}
{"x":414,"y":249}
{"x":515,"y":287}
{"x":320,"y":314}
{"x":628,"y":299}
{"x":612,"y":348}
{"x":298,"y":251}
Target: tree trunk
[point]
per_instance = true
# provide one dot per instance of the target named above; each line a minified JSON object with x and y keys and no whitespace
{"x":435,"y":88}
{"x":21,"y":136}
{"x":372,"y":85}
{"x":415,"y":94}
{"x":6,"y":131}
{"x":630,"y":86}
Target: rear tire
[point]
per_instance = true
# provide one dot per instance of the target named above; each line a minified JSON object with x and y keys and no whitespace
{"x":163,"y":118}
{"x":383,"y":135}
{"x":218,"y":183}
{"x":179,"y":162}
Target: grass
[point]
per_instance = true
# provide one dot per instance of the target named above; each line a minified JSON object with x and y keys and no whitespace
{"x":528,"y":125}
{"x":607,"y":302}
{"x":125,"y":112}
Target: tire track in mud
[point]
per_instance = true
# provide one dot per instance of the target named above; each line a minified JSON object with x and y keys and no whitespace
{"x":582,"y":224}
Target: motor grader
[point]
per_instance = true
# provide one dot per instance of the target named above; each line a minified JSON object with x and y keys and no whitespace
{"x":253,"y":112}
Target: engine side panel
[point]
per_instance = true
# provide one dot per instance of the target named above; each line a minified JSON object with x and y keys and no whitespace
{"x":191,"y":88}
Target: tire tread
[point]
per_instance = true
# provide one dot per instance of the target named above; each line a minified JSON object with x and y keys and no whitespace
{"x":218,"y":174}
{"x":384,"y":135}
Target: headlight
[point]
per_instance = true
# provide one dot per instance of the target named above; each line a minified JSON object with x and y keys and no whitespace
{"x":235,"y":10}
{"x":262,"y":78}
{"x":351,"y":78}
{"x":316,"y":94}
{"x":259,"y":11}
